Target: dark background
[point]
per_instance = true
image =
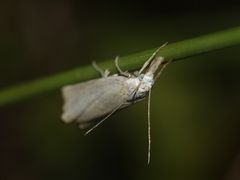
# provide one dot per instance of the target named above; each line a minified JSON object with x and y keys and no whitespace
{"x":195,"y":103}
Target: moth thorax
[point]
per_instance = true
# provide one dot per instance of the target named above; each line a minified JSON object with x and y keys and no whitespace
{"x":133,"y":83}
{"x":146,"y":83}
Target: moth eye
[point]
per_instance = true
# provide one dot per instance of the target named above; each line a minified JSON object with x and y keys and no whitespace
{"x":141,"y":76}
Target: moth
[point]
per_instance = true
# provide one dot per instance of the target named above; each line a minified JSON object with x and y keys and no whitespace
{"x":92,"y":102}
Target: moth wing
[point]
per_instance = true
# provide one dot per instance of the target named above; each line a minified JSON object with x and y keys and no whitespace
{"x":92,"y":99}
{"x":73,"y":96}
{"x":92,"y":123}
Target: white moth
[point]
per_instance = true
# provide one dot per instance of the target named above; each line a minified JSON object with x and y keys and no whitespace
{"x":90,"y":103}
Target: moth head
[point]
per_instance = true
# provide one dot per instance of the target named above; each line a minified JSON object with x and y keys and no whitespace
{"x":145,"y":84}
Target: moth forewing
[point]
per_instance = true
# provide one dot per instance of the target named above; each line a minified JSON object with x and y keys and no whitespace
{"x":73,"y":99}
{"x":87,"y":101}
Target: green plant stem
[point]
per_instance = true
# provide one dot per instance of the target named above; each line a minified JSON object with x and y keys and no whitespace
{"x":175,"y":51}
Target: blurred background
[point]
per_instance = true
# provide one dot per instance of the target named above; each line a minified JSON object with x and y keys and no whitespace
{"x":195,"y":103}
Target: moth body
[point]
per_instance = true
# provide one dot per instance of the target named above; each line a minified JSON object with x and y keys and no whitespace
{"x":90,"y":103}
{"x":95,"y":99}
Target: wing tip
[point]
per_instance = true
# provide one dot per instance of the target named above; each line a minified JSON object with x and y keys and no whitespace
{"x":67,"y":97}
{"x":66,"y":118}
{"x":65,"y":92}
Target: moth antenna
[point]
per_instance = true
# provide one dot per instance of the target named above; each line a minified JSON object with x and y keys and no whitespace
{"x":100,"y":122}
{"x":151,"y":58}
{"x":149,"y":128}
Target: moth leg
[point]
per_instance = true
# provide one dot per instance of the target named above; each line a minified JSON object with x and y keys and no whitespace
{"x":99,"y":70}
{"x":151,"y":58}
{"x":84,"y":125}
{"x":161,"y":70}
{"x":100,"y":122}
{"x":127,"y":74}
